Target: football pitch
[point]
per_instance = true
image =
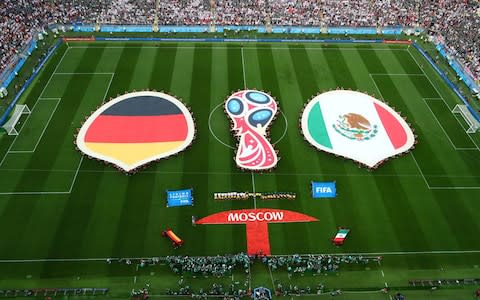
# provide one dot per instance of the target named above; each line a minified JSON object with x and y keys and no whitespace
{"x":420,"y":211}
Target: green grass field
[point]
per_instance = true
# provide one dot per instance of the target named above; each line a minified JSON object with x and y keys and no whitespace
{"x":420,"y":211}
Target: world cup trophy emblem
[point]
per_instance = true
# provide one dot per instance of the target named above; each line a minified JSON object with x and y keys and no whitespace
{"x":251,"y":113}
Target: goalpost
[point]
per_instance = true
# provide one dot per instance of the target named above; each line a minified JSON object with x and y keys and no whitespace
{"x":20,"y":109}
{"x":472,"y":122}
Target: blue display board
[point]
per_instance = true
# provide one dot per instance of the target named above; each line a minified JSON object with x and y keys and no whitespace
{"x":179,"y":198}
{"x":324,"y":189}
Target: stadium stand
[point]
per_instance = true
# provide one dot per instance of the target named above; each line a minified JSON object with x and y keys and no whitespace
{"x":456,"y":22}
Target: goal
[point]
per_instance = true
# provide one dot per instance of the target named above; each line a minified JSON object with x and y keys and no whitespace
{"x":465,"y":112}
{"x":9,"y":126}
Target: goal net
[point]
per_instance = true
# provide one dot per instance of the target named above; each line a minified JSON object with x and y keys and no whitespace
{"x":473,"y":123}
{"x":9,"y":126}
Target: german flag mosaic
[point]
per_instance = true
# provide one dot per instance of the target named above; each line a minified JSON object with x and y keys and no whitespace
{"x":137,"y":128}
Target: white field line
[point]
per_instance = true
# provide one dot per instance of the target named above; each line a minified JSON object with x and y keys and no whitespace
{"x":271,"y":277}
{"x":285,"y":131}
{"x":245,"y":87}
{"x":34,"y":193}
{"x":44,"y":128}
{"x":108,"y":88}
{"x":75,"y":176}
{"x":376,"y":86}
{"x":372,"y":254}
{"x":44,"y":88}
{"x":46,"y":125}
{"x":420,"y":170}
{"x":415,"y":160}
{"x":443,"y":129}
{"x":411,"y":154}
{"x":406,"y":175}
{"x":455,"y":188}
{"x":84,"y":73}
{"x":211,"y":130}
{"x":441,"y":97}
{"x":397,"y":74}
{"x":243,"y":69}
{"x":54,"y":71}
{"x":81,"y":159}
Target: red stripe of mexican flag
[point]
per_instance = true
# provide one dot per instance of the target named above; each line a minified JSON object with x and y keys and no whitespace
{"x":395,"y":131}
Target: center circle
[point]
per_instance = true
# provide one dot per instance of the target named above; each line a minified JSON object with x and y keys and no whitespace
{"x":226,"y":144}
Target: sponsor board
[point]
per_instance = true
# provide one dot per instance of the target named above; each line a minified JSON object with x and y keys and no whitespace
{"x":179,"y":198}
{"x":79,"y":39}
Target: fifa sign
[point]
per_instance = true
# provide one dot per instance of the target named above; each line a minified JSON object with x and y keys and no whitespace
{"x":324,"y":190}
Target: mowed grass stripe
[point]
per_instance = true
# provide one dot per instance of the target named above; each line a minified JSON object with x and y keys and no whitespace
{"x":242,"y":181}
{"x":73,"y":221}
{"x":461,"y":209}
{"x":24,"y":208}
{"x":402,"y":193}
{"x":220,"y":156}
{"x":14,"y":209}
{"x":132,"y":207}
{"x":198,"y":156}
{"x":56,"y":135}
{"x":138,"y":197}
{"x":385,"y":186}
{"x":307,"y":79}
{"x":419,"y":205}
{"x":361,"y":209}
{"x":180,"y":86}
{"x":291,"y":103}
{"x":368,"y":203}
{"x":107,"y":189}
{"x":160,"y":79}
{"x":273,"y":76}
{"x":349,"y":211}
{"x":454,"y":162}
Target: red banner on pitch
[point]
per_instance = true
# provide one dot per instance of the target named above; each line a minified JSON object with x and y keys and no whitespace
{"x":256,"y":221}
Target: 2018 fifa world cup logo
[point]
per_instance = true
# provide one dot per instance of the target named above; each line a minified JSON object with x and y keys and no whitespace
{"x":252,"y":113}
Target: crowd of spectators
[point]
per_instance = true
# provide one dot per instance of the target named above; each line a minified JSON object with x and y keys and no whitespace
{"x":208,"y":265}
{"x":457,"y":21}
{"x":184,"y":12}
{"x":302,"y":264}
